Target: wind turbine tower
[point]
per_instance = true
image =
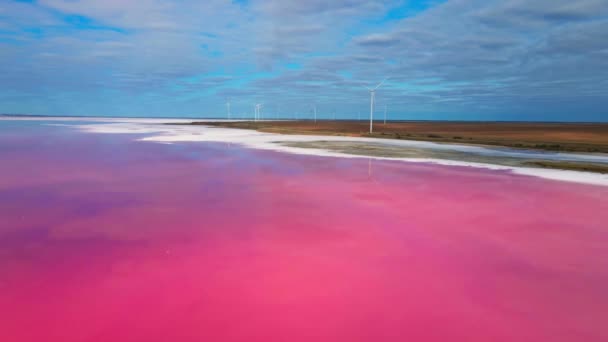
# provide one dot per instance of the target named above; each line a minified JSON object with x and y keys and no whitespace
{"x":372,"y":95}
{"x":258,"y":111}
{"x":385,"y":114}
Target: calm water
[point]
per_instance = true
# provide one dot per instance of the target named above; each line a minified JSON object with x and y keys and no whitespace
{"x":103,"y":238}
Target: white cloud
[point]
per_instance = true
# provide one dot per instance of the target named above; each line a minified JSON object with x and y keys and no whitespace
{"x":472,"y":54}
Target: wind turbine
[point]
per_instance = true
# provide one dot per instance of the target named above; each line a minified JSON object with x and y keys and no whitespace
{"x":258,"y":111}
{"x":385,"y":114}
{"x":228,"y":107}
{"x":314,"y":109}
{"x":372,"y":95}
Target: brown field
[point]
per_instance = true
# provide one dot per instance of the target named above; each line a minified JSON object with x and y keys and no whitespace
{"x":572,"y":137}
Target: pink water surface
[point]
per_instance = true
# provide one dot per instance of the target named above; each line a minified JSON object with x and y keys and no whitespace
{"x":103,"y":238}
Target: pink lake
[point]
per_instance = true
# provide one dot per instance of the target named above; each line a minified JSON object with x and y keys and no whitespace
{"x":104,"y":238}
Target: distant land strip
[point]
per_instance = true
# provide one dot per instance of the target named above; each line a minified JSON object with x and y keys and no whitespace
{"x":563,"y":137}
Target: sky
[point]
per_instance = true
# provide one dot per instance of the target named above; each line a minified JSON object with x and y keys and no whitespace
{"x":542,"y":60}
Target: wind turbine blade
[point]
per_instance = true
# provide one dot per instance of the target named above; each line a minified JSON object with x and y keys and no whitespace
{"x":379,"y":84}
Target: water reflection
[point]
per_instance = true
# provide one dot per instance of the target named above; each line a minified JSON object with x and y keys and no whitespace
{"x":106,"y":238}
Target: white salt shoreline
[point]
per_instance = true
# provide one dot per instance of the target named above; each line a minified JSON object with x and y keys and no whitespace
{"x":156,"y":131}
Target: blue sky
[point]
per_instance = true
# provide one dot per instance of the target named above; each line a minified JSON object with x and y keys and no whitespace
{"x":454,"y":59}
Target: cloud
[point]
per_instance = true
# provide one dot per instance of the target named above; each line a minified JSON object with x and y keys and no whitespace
{"x":377,"y":40}
{"x":525,"y":13}
{"x":488,"y":58}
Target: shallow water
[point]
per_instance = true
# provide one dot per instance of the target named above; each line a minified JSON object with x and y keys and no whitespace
{"x":107,"y":238}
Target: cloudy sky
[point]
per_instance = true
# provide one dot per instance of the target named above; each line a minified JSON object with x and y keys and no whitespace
{"x":455,"y":59}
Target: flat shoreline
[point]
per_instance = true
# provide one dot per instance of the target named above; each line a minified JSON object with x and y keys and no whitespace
{"x":445,"y":154}
{"x":588,"y":168}
{"x":388,"y":151}
{"x":551,"y":137}
{"x":557,"y":137}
